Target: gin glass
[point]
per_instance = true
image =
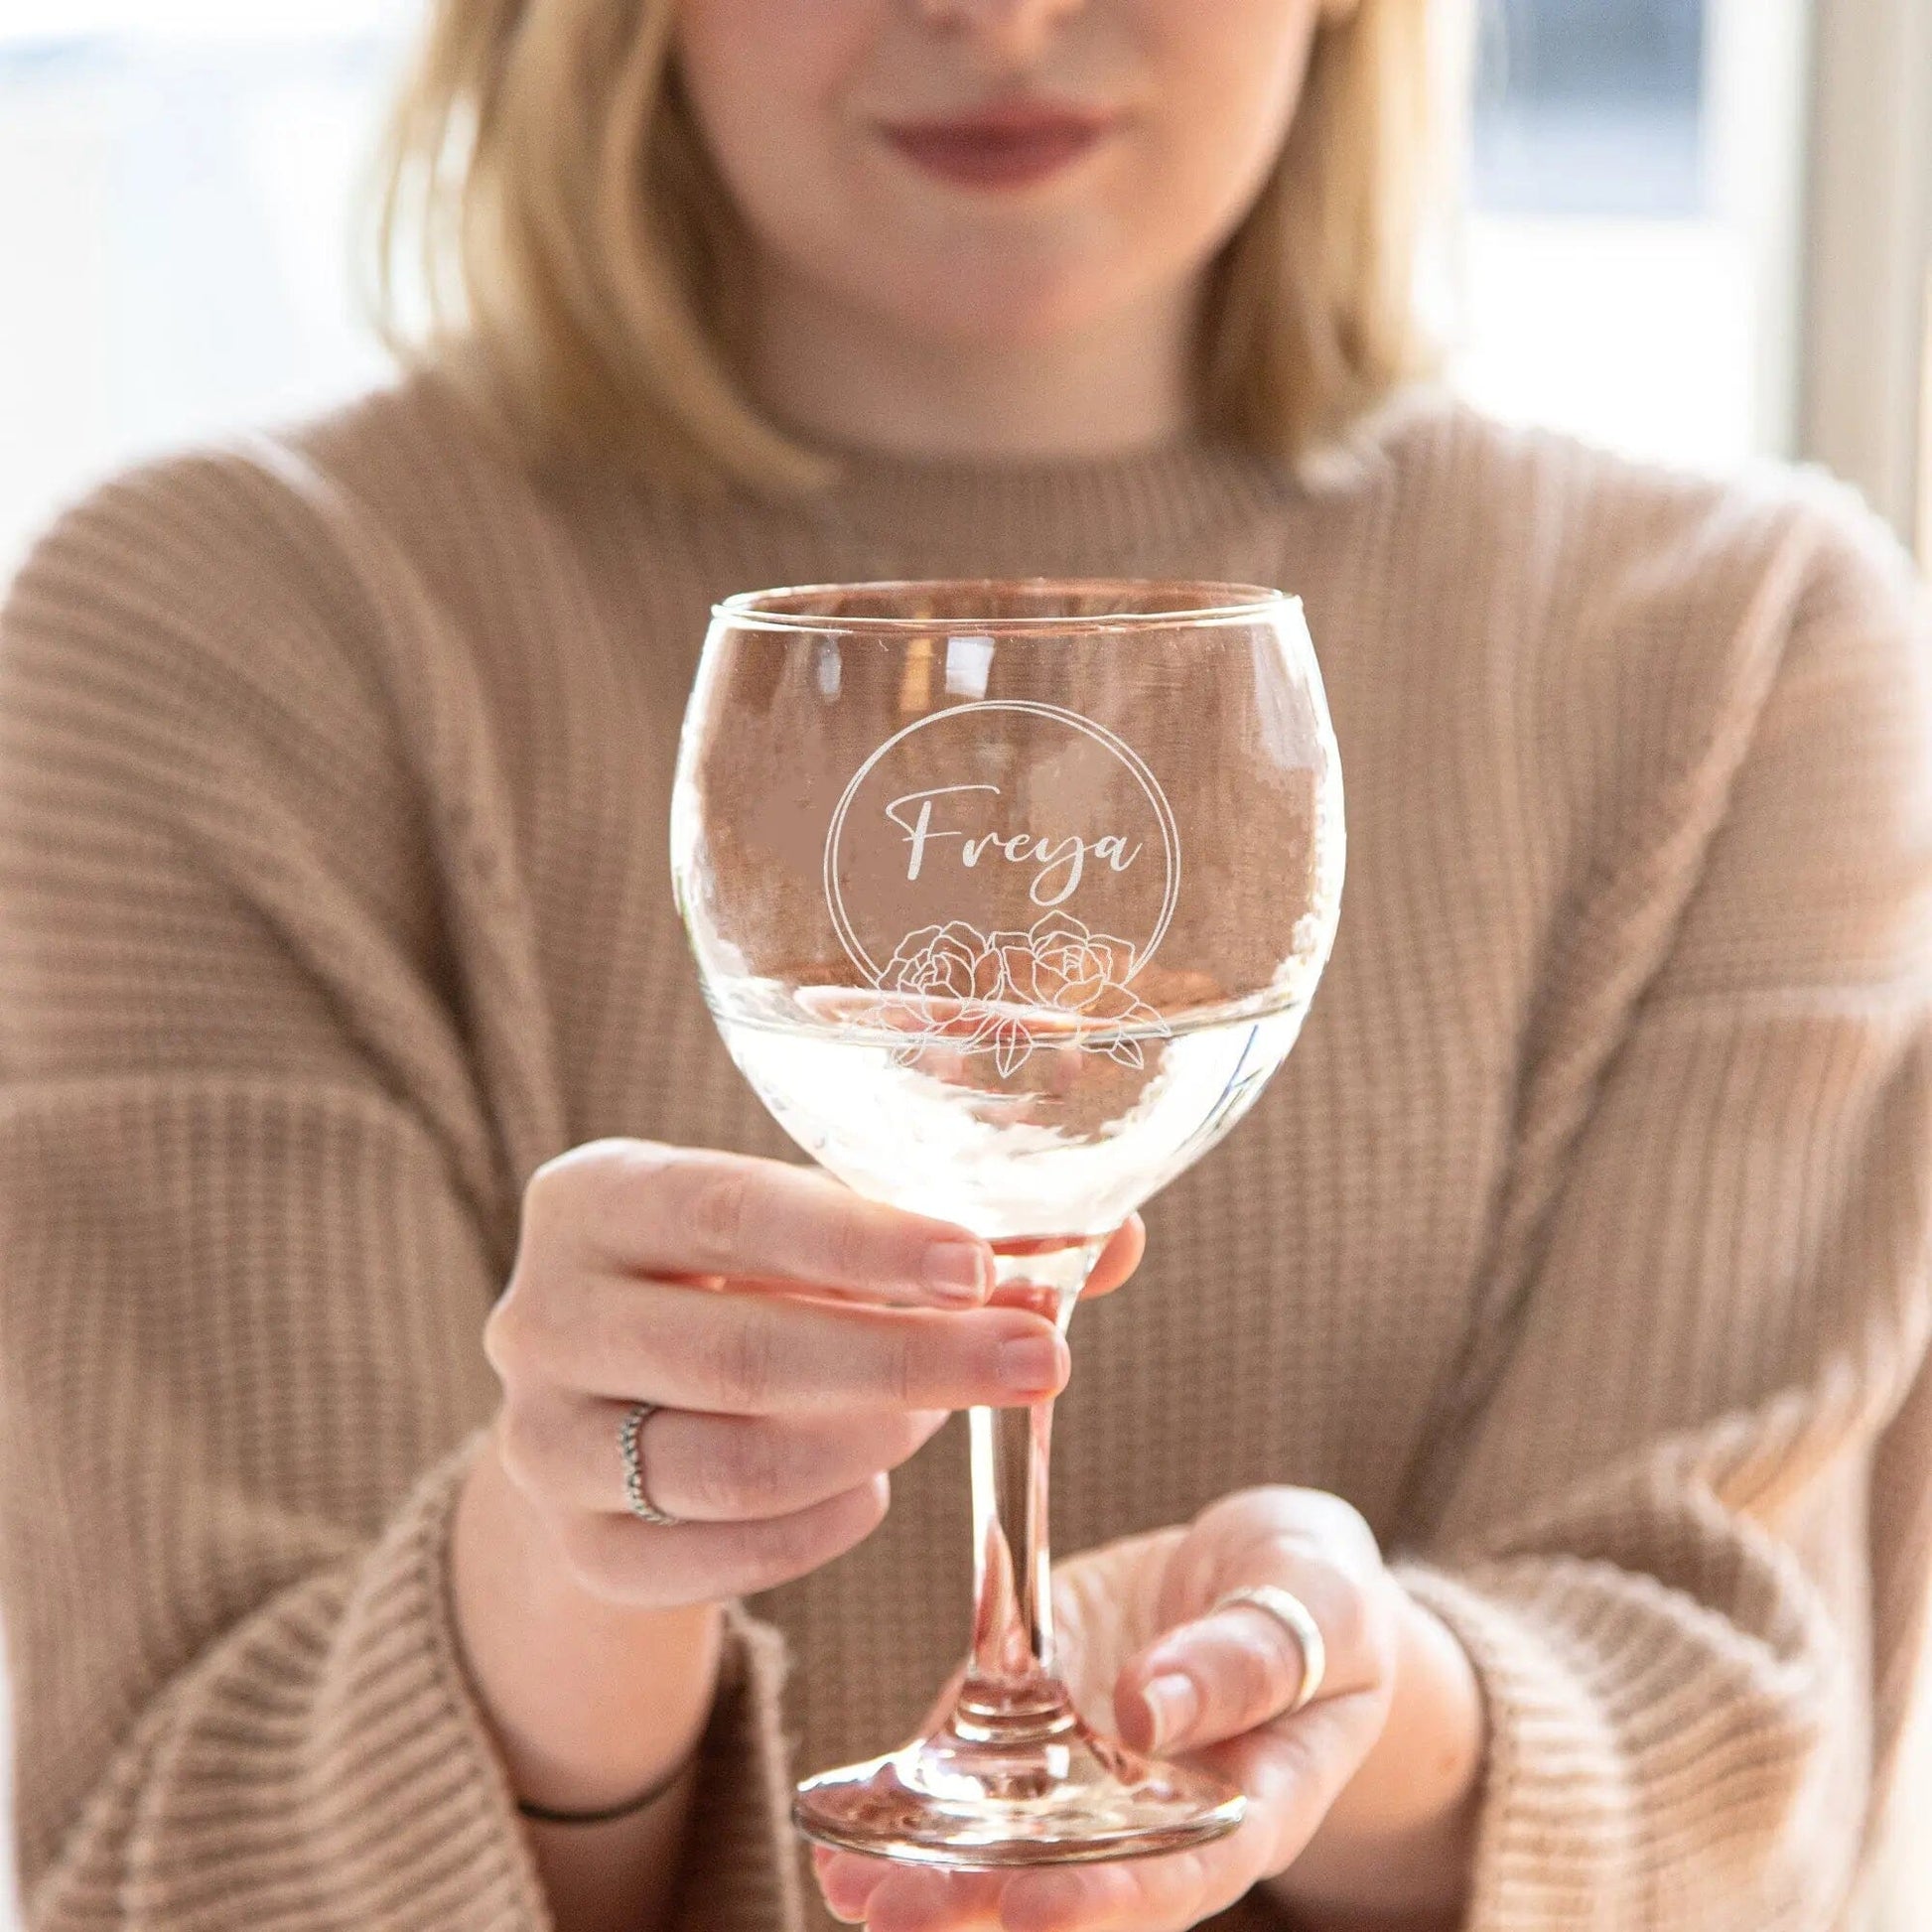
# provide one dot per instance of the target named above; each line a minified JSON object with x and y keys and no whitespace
{"x":1008,"y":897}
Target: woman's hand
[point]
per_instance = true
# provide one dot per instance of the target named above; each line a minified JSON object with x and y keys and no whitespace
{"x":803,"y":1343}
{"x":1381,"y":1765}
{"x":800,"y":1340}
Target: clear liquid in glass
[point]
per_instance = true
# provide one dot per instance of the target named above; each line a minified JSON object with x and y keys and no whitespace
{"x":912,"y":1101}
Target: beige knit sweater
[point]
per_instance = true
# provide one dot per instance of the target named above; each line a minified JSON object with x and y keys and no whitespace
{"x":1582,"y":1243}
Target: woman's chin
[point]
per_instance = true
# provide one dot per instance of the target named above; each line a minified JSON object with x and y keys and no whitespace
{"x":986,"y":311}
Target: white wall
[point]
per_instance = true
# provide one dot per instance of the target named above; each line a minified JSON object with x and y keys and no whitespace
{"x":176,"y":225}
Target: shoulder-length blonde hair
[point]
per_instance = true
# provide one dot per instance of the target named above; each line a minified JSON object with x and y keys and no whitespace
{"x":578,"y":263}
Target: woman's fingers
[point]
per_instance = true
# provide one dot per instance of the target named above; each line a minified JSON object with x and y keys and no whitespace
{"x":1119,"y":1258}
{"x":1133,"y":1895}
{"x":705,"y":1469}
{"x":846,"y":1882}
{"x":1124,"y":1251}
{"x":759,"y":1354}
{"x":649,"y":1565}
{"x":798,"y":1340}
{"x":641,"y":1208}
{"x":1238,"y":1665}
{"x":887,"y":1897}
{"x":1210,"y":1679}
{"x":1115,"y":1264}
{"x":691,"y":1213}
{"x":1137,"y":1895}
{"x":1159,"y":1895}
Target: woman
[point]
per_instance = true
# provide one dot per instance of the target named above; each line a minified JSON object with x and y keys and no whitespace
{"x":1553,"y":1330}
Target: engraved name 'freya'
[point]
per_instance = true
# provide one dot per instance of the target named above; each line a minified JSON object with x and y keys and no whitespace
{"x":1065,"y":857}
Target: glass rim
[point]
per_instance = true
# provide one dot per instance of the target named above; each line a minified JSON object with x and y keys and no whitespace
{"x":1243,"y":602}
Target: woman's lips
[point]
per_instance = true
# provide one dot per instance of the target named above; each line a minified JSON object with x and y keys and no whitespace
{"x":1008,"y":147}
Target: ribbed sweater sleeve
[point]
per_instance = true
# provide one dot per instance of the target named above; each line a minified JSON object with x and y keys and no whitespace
{"x":253,"y":1209}
{"x":1659,"y":1523}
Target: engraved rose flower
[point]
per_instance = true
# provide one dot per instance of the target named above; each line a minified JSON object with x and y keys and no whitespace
{"x":951,"y":961}
{"x":948,"y":978}
{"x":1057,"y":962}
{"x":1061,"y":964}
{"x":1057,"y":965}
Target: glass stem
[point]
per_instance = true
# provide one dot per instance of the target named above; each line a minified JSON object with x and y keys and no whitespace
{"x":1011,"y":1690}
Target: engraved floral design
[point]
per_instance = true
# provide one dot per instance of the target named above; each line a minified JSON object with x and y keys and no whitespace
{"x":989,"y":991}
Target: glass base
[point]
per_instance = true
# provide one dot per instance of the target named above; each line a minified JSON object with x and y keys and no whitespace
{"x":985,"y":1792}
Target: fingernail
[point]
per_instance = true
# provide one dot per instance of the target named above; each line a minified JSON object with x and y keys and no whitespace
{"x":1174,"y":1704}
{"x":957,"y":1270}
{"x":1032,"y":1363}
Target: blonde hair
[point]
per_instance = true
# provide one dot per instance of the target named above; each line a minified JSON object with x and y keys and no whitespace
{"x":579,"y":262}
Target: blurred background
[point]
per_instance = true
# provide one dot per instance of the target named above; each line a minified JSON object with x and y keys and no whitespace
{"x":1697,"y":229}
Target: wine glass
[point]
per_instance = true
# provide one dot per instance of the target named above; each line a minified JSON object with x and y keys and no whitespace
{"x":1008,"y":897}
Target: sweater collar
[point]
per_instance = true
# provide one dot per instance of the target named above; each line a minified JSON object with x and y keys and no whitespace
{"x":1146,"y":497}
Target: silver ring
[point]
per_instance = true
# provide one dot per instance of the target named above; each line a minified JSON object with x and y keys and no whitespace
{"x":1293,"y":1615}
{"x":641,"y":1505}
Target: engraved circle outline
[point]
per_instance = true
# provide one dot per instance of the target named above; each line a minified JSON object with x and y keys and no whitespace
{"x":1137,"y":767}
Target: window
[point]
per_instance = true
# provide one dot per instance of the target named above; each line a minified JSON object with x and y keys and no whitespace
{"x":1629,"y":263}
{"x":1590,"y":109}
{"x":177,"y":175}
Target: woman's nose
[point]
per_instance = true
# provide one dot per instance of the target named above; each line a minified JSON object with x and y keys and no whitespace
{"x":1014,"y":30}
